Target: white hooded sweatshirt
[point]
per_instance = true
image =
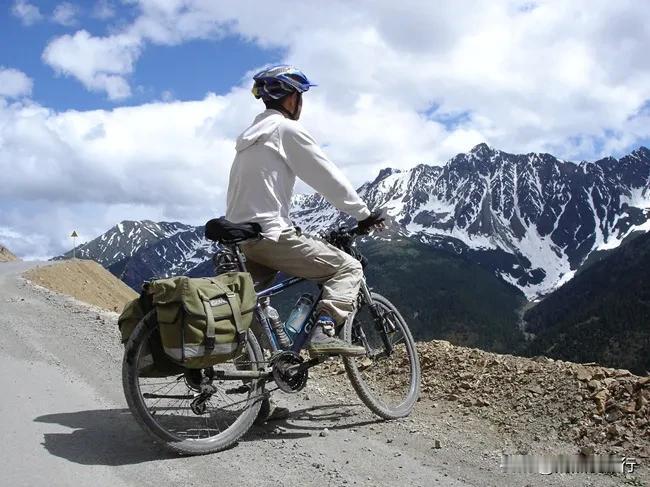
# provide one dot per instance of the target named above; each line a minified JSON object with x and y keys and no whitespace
{"x":270,"y":154}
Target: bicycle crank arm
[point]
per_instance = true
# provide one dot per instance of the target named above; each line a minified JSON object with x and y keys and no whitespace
{"x":307,"y":365}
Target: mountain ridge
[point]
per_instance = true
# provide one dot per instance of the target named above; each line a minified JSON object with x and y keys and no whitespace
{"x":532,"y":218}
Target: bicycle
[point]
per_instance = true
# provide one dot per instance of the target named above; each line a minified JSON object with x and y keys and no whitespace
{"x":193,"y":411}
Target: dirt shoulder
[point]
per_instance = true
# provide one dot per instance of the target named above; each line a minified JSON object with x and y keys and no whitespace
{"x":6,"y":255}
{"x":84,"y":280}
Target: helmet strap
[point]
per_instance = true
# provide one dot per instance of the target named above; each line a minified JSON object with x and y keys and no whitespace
{"x":285,"y":112}
{"x":291,"y":115}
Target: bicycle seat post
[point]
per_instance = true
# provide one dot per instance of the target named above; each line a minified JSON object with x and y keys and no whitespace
{"x":241,"y":258}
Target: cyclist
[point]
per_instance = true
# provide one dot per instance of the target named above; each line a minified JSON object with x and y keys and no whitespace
{"x":271,"y":153}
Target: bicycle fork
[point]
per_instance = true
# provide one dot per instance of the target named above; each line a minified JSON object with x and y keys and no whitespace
{"x":382,"y":324}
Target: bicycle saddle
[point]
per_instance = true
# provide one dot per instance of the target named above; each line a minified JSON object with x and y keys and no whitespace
{"x":227,"y":232}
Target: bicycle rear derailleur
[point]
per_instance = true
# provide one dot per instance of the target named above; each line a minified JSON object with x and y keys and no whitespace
{"x":200,"y":381}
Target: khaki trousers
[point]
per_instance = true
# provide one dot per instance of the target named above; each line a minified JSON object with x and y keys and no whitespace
{"x":311,"y":258}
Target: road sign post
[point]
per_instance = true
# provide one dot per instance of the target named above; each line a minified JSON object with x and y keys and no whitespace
{"x":74,"y":243}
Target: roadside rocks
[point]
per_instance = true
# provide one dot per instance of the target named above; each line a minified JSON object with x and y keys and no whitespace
{"x":595,"y":407}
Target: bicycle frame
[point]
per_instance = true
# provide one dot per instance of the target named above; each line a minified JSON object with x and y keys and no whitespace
{"x":270,"y":291}
{"x":302,"y":336}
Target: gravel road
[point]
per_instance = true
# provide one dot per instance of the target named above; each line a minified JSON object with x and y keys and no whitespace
{"x":64,"y":421}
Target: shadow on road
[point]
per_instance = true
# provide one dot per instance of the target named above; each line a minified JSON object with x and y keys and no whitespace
{"x":112,"y":437}
{"x":101,"y":437}
{"x":302,"y":423}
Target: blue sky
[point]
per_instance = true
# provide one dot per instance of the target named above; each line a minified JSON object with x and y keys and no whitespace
{"x":162,"y":70}
{"x":129,"y":109}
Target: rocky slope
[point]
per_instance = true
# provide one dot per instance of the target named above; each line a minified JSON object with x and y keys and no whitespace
{"x":598,"y":409}
{"x":6,"y":255}
{"x":602,"y":409}
{"x":84,"y":280}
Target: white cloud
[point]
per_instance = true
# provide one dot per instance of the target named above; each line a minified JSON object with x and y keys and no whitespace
{"x":65,"y":14}
{"x":88,"y":170}
{"x":14,"y":83}
{"x":400,"y":83}
{"x":100,"y":63}
{"x":521,"y":76}
{"x":27,"y":13}
{"x":167,"y":96}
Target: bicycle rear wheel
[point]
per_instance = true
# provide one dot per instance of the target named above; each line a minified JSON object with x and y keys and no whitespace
{"x":388,"y":383}
{"x":167,"y":408}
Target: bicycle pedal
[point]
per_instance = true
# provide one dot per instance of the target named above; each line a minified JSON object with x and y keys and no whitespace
{"x":365,"y":363}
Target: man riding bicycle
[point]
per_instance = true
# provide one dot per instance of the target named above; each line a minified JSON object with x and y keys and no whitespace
{"x":271,"y":152}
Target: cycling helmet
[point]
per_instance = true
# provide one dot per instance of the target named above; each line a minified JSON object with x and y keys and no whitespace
{"x":278,"y":81}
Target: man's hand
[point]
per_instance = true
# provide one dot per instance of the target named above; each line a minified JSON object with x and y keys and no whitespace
{"x":375,"y":220}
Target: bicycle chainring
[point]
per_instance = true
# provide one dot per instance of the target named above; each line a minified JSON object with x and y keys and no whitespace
{"x":284,"y":370}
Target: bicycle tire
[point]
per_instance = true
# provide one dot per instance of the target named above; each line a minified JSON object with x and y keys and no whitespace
{"x":152,"y":423}
{"x":376,"y":400}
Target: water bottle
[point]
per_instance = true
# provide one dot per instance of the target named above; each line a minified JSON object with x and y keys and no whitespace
{"x":275,"y":322}
{"x":299,"y":314}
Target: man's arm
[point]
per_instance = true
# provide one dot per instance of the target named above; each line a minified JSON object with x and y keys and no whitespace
{"x":309,"y":163}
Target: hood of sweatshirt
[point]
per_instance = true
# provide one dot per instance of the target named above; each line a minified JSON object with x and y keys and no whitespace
{"x":260,"y":130}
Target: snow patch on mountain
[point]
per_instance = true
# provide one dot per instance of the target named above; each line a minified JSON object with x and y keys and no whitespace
{"x":476,"y":242}
{"x":543,"y":254}
{"x":638,"y":197}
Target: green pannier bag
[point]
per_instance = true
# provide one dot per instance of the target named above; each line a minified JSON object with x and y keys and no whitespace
{"x":155,"y":362}
{"x":203,"y":321}
{"x":130,"y":317}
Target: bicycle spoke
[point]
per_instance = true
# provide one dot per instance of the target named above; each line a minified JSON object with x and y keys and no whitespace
{"x":181,"y":411}
{"x":386,"y":382}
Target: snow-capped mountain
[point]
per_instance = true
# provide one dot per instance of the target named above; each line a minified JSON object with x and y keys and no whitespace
{"x":126,"y":239}
{"x":179,"y":254}
{"x":532,"y":218}
{"x":139,"y":250}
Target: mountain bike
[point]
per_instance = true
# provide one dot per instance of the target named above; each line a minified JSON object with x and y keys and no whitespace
{"x":198,"y":411}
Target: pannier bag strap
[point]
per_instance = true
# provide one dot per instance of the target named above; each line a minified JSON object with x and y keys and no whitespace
{"x":210,"y":332}
{"x":236,"y":314}
{"x":211,"y":326}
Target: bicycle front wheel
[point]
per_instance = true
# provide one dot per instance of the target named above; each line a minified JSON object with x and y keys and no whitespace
{"x":172,"y":409}
{"x":387,"y":381}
